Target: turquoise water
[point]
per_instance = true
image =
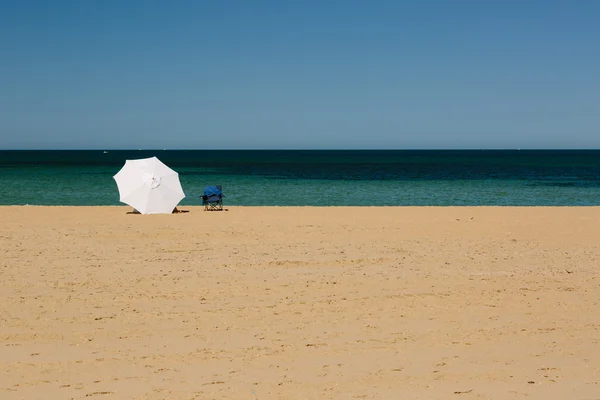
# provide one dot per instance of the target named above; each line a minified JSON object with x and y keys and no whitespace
{"x":436,"y":178}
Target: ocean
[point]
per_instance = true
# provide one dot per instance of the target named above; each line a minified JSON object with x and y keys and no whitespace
{"x":317,"y":177}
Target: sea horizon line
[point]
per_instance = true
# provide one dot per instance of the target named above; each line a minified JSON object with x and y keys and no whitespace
{"x":313,"y":150}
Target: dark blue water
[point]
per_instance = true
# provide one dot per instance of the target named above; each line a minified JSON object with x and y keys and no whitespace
{"x":439,"y":178}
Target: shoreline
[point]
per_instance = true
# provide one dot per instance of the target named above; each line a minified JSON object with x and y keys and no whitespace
{"x":317,"y":207}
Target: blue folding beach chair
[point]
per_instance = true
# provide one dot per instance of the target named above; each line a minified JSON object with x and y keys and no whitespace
{"x":213,"y":198}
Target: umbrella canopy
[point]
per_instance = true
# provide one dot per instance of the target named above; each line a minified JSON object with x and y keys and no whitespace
{"x":149,"y":186}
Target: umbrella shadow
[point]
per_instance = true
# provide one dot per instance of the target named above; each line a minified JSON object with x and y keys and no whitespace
{"x":175,"y":211}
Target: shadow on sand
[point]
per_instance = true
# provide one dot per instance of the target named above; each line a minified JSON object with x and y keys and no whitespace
{"x":175,"y":211}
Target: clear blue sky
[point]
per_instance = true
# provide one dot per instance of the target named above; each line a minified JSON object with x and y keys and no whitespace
{"x":300,"y":74}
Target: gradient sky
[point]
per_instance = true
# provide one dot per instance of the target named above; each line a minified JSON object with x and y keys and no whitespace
{"x":299,"y":74}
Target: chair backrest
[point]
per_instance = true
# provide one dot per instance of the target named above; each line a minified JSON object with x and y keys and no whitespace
{"x":213,"y":190}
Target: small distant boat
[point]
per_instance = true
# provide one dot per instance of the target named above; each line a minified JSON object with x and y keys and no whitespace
{"x":105,"y":152}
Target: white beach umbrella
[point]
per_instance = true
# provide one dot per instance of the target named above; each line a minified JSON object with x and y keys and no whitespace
{"x":149,"y":186}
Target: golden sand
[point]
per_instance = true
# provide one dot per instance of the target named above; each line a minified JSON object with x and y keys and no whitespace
{"x":300,"y":303}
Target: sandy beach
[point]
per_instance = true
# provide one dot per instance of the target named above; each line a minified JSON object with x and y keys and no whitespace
{"x":300,"y":303}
